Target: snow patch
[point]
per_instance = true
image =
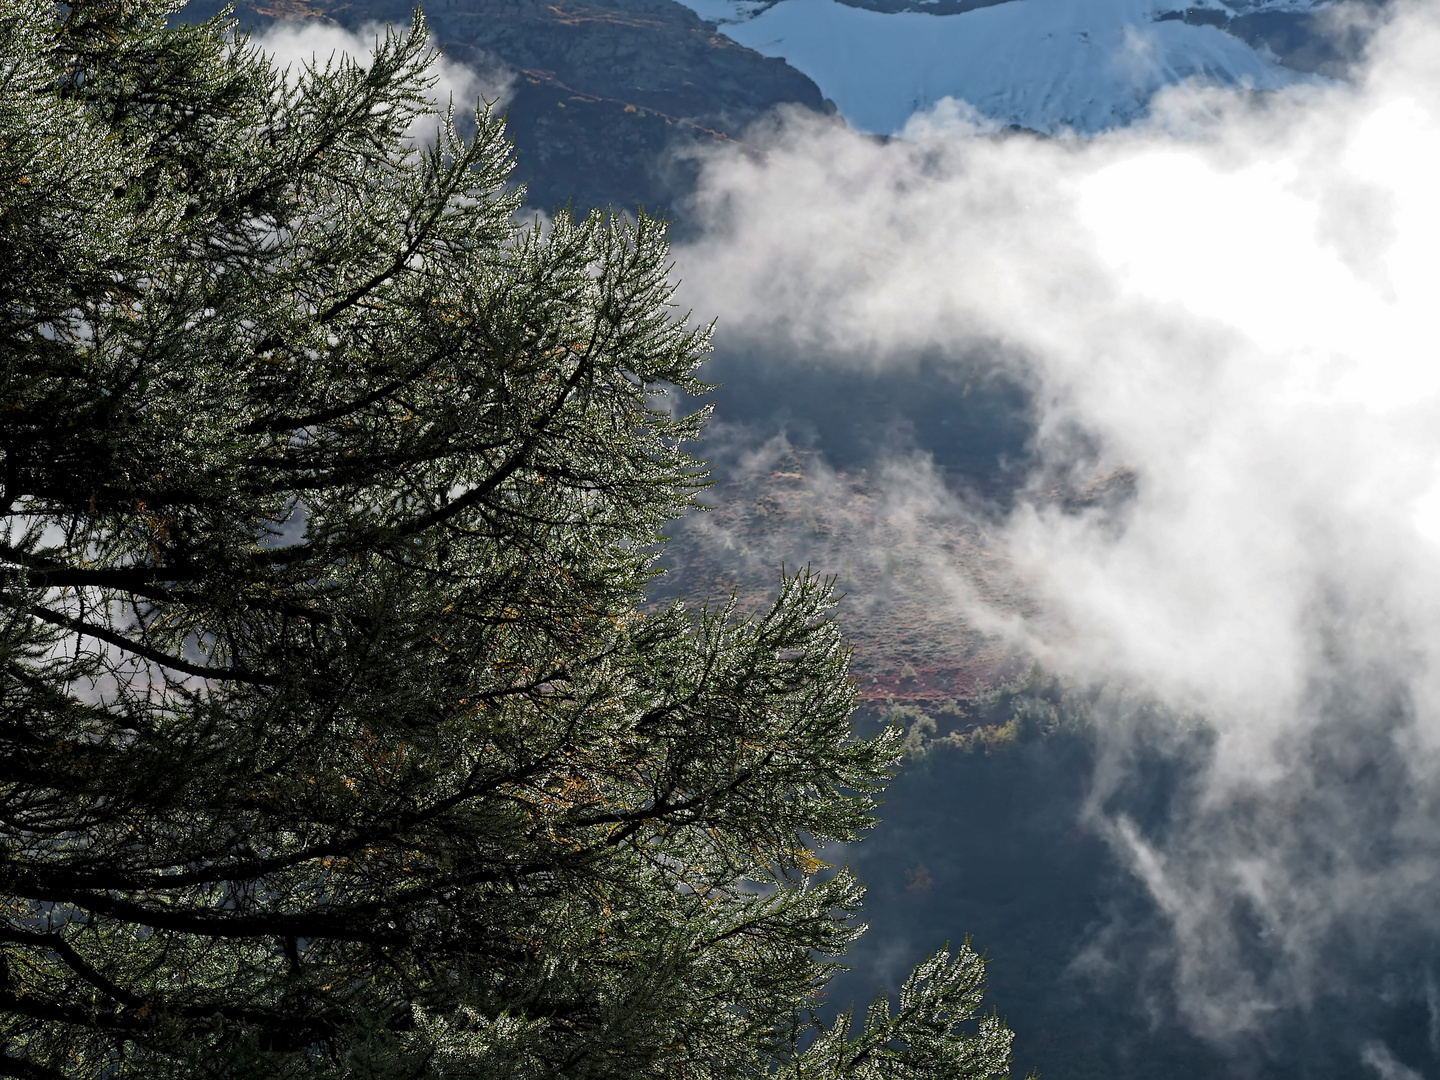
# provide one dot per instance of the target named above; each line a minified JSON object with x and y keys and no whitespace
{"x":1045,"y":65}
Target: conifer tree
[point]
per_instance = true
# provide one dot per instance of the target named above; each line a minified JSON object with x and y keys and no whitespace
{"x":336,"y":736}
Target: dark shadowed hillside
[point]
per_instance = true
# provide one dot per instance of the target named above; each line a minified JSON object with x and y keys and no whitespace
{"x":603,"y":90}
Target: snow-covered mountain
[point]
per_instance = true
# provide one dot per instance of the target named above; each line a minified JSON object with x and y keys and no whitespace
{"x":1046,"y":65}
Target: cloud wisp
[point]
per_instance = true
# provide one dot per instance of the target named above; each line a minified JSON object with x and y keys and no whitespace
{"x":1234,"y":300}
{"x":293,"y":43}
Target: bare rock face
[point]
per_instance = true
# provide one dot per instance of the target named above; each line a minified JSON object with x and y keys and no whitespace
{"x":604,"y":91}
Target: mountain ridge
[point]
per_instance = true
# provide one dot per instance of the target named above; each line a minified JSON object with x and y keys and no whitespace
{"x":1049,"y":66}
{"x":608,"y":96}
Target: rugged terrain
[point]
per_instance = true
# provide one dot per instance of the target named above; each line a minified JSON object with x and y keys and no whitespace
{"x":907,"y":579}
{"x":1051,"y":66}
{"x":604,"y":92}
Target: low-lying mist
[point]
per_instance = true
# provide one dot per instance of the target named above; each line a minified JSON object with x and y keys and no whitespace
{"x":1232,"y":306}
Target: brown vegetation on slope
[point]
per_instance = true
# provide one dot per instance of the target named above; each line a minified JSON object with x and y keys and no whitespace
{"x":913,"y":571}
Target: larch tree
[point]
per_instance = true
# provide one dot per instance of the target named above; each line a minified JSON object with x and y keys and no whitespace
{"x":337,"y":738}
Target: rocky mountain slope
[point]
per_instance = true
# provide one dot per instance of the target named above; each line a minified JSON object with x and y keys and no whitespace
{"x":603,"y":92}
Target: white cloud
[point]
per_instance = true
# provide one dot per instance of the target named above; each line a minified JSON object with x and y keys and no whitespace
{"x":293,"y":43}
{"x":1237,"y":301}
{"x":1384,"y":1063}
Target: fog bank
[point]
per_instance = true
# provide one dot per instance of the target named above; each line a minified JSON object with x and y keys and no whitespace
{"x":1234,"y":301}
